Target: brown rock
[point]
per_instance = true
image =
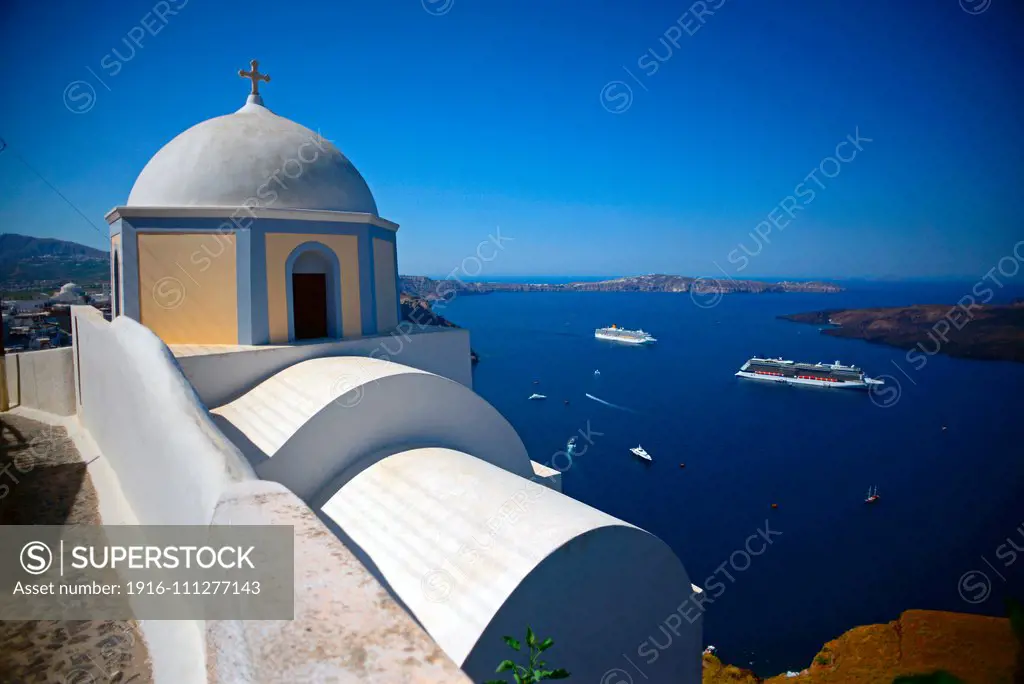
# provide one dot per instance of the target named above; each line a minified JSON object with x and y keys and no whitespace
{"x":974,"y":648}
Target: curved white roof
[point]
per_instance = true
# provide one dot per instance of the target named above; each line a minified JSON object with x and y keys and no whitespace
{"x":252,"y":155}
{"x":476,"y":552}
{"x":314,"y":425}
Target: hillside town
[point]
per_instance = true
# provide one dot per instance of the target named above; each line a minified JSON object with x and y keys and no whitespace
{"x":44,"y":321}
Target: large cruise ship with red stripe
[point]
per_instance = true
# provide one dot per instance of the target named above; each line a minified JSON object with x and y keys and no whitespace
{"x":813,"y":374}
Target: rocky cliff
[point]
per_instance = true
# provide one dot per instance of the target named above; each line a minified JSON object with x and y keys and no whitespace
{"x":417,"y":310}
{"x":972,"y":648}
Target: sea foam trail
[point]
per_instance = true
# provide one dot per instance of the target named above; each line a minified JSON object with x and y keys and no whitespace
{"x":608,"y":403}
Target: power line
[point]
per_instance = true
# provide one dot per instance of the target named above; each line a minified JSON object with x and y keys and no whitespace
{"x":4,"y":146}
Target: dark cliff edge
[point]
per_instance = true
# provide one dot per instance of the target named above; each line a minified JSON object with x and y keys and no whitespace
{"x":428,"y":288}
{"x":417,"y":310}
{"x":986,"y":332}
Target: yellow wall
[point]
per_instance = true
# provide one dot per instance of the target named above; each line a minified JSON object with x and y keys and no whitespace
{"x":279,"y":247}
{"x":187,"y":287}
{"x":384,"y":284}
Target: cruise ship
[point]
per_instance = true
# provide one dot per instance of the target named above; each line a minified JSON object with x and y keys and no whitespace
{"x":813,"y":374}
{"x":617,"y":334}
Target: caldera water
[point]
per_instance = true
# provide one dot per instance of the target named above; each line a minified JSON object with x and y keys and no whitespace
{"x":942,"y":444}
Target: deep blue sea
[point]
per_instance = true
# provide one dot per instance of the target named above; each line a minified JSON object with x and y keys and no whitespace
{"x":950,"y":499}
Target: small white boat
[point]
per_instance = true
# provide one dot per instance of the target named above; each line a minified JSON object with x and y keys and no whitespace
{"x":570,"y":446}
{"x":537,"y":396}
{"x":641,"y":452}
{"x":597,"y":374}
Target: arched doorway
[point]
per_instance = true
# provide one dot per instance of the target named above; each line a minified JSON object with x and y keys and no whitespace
{"x":313,"y":297}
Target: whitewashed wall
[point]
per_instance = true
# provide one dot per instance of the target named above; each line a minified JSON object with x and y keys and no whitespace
{"x":171,"y":460}
{"x":42,"y":380}
{"x":175,"y":467}
{"x":347,"y":628}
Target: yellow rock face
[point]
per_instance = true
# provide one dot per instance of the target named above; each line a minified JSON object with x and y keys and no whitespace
{"x":974,"y":648}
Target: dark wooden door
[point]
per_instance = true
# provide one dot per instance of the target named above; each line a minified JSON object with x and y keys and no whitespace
{"x":309,"y":305}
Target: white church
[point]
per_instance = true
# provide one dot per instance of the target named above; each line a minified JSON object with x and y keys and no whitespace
{"x":256,"y":371}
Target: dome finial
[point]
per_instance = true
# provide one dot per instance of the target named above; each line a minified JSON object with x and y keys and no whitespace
{"x":255,"y":76}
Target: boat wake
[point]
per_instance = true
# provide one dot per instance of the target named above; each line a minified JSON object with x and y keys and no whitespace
{"x":608,"y":403}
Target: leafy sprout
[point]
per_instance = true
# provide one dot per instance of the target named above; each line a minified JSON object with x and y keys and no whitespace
{"x":536,"y":670}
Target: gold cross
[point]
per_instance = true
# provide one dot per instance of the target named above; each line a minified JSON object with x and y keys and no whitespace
{"x":255,"y":76}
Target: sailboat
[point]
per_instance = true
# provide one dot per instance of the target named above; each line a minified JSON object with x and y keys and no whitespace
{"x":872,"y":495}
{"x":641,"y":452}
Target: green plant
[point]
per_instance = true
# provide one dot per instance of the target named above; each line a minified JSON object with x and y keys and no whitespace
{"x":535,"y":670}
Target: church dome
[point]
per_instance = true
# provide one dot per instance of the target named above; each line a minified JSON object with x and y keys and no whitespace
{"x":252,"y":155}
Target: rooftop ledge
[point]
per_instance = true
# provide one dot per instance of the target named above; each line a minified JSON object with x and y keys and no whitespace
{"x":118,"y":213}
{"x":186,"y":350}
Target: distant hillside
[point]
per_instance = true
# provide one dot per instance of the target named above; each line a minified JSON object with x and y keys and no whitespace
{"x":14,"y":247}
{"x":25,"y":259}
{"x":992,"y":332}
{"x":427,"y":288}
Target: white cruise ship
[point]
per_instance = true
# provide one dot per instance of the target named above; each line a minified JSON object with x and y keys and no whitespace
{"x":816,"y":374}
{"x":617,"y":334}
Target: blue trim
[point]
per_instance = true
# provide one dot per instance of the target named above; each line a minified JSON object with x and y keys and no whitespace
{"x":260,"y":315}
{"x":335,"y":324}
{"x":116,"y":282}
{"x":243,"y":280}
{"x":261,"y":225}
{"x":381,"y":234}
{"x":398,"y":286}
{"x":130,"y":272}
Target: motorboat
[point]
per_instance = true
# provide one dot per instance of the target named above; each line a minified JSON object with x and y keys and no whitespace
{"x":641,"y":452}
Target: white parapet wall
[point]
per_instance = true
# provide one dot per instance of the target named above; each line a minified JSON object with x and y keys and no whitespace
{"x":173,"y":466}
{"x":172,"y":461}
{"x":42,"y":380}
{"x":221,"y":374}
{"x":347,"y":628}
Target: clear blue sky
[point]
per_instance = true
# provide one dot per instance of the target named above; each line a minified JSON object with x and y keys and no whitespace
{"x":491,"y":115}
